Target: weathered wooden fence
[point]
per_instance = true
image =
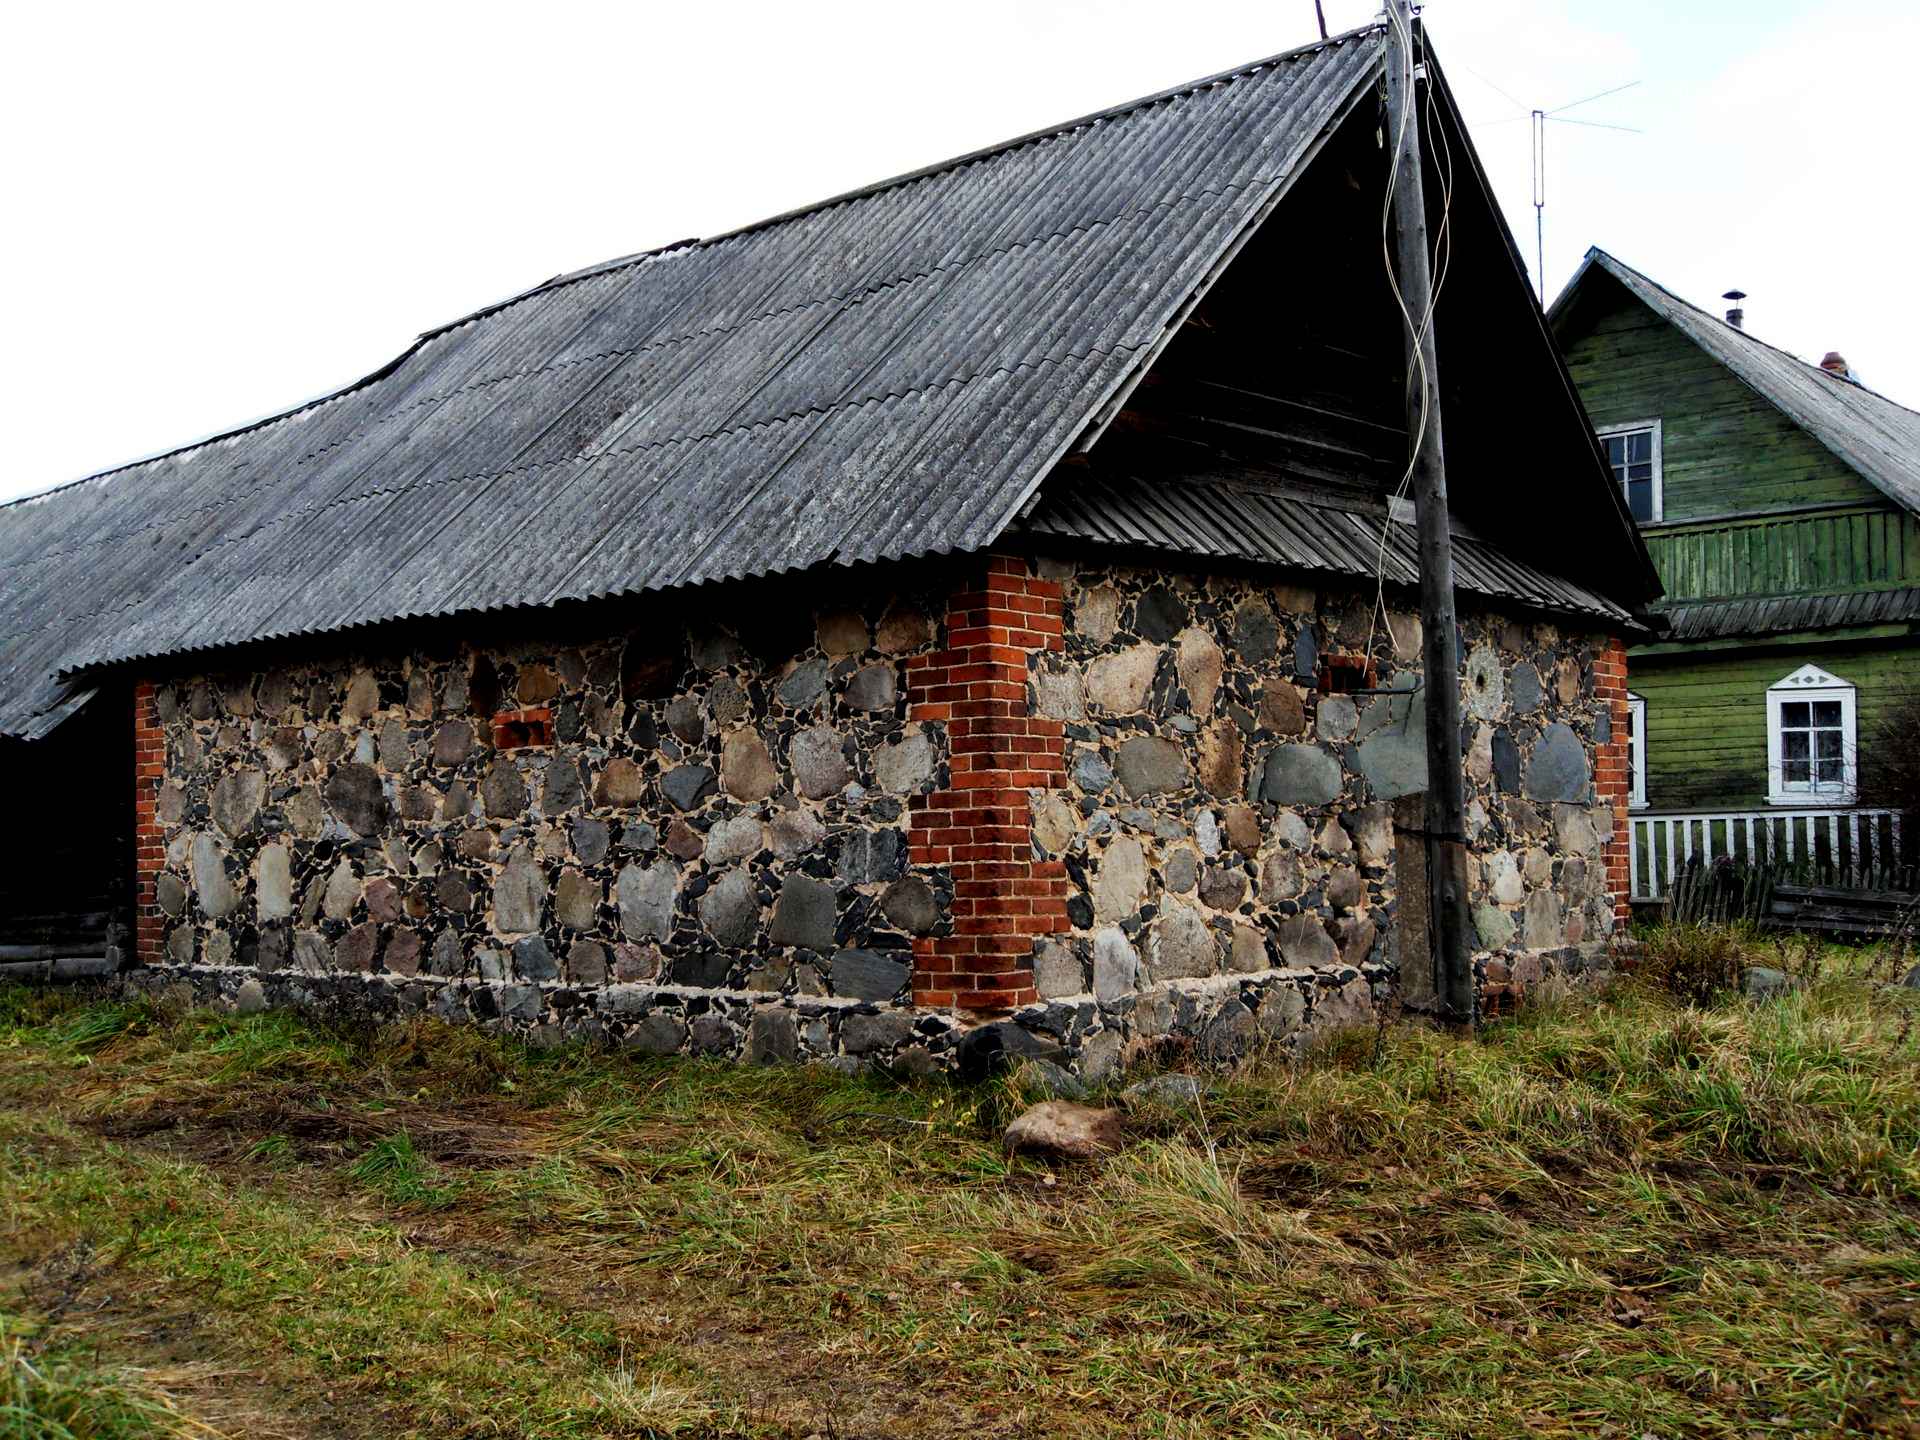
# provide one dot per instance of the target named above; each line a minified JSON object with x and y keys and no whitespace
{"x":1853,"y":849}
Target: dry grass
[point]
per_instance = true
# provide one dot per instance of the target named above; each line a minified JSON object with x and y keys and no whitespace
{"x":1622,"y":1214}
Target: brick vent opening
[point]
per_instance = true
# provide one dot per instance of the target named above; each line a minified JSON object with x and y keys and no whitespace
{"x":523,"y":729}
{"x":1342,"y":672}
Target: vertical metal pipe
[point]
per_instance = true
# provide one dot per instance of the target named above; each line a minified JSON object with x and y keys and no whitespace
{"x":1446,"y":810}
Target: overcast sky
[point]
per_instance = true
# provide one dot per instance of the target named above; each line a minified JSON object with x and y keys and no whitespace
{"x":218,"y":211}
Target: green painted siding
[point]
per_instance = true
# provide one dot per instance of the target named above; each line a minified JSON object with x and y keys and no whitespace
{"x":1866,"y":547}
{"x":1725,"y":449}
{"x":1707,"y":714}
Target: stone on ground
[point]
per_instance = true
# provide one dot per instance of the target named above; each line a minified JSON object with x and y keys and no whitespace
{"x":1064,"y":1130}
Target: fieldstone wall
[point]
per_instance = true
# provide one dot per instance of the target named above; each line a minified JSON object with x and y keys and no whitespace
{"x":1228,"y":830}
{"x":1115,"y":802}
{"x":681,"y":836}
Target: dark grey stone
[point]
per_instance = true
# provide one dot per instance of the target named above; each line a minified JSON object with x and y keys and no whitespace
{"x":563,"y":788}
{"x":1148,"y":765}
{"x":645,"y":895}
{"x":354,"y":795}
{"x":532,"y":960}
{"x":1393,"y":758}
{"x":1160,"y":615}
{"x":1091,"y":773}
{"x":454,"y":742}
{"x":1558,"y":768}
{"x":731,"y":910}
{"x":870,"y":855}
{"x":503,"y":793}
{"x":590,"y":840}
{"x":446,"y":957}
{"x":910,"y":904}
{"x":656,"y":1034}
{"x":451,"y":892}
{"x":1256,"y":637}
{"x":804,"y":913}
{"x":866,"y":975}
{"x":522,"y":1003}
{"x":875,"y":1034}
{"x":687,"y":785}
{"x":1229,"y":1032}
{"x":685,"y":720}
{"x":871,"y":688}
{"x":1300,"y":775}
{"x":1306,"y":654}
{"x":1182,"y":871}
{"x":1506,"y":762}
{"x":171,"y":893}
{"x":772,"y":1038}
{"x":1525,"y":687}
{"x":587,"y":963}
{"x":805,"y":685}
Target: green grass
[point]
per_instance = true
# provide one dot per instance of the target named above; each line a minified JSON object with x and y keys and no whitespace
{"x":59,"y":1395}
{"x":1628,"y":1212}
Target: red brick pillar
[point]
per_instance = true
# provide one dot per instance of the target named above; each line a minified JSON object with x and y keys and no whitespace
{"x":1611,"y":781}
{"x":149,"y":845}
{"x":980,"y":829}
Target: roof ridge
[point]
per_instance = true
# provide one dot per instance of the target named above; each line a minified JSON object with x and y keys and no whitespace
{"x":1608,"y":258}
{"x":642,"y":257}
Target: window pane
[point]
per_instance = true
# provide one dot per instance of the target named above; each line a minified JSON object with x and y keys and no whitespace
{"x":1793,"y":745}
{"x":1640,"y":447}
{"x":1794,"y":772}
{"x":1794,"y":712}
{"x":1826,"y":712}
{"x":1827,"y":772}
{"x":1640,"y":499}
{"x":1616,"y":448}
{"x":1829,"y":742}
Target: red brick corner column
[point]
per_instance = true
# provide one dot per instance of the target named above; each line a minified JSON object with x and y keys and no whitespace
{"x":1611,"y":782}
{"x":980,"y":829}
{"x":149,"y":845}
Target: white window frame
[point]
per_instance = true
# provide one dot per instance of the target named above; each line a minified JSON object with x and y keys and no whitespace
{"x":1637,"y":751}
{"x":1659,"y":480}
{"x":1811,"y":683}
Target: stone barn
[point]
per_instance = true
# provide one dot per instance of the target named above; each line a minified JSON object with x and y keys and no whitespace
{"x":969,"y":615}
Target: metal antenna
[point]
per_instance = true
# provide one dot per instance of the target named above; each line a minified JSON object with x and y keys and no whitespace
{"x":1320,"y":15}
{"x":1538,"y":121}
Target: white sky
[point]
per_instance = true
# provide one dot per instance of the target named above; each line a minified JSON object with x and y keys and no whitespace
{"x":216,"y":211}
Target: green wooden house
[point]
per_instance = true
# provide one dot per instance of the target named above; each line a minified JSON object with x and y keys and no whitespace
{"x":1781,"y":504}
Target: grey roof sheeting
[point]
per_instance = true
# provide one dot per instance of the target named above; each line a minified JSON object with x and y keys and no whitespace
{"x":885,"y":375}
{"x":1282,"y":527}
{"x":1782,"y":614}
{"x":1878,"y":438}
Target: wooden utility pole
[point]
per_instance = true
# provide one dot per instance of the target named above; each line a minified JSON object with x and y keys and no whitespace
{"x":1446,"y":841}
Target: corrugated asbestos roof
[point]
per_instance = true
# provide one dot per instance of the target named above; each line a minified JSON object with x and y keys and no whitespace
{"x":1274,"y":526}
{"x":1782,"y":614}
{"x":885,"y":375}
{"x":1879,"y":439}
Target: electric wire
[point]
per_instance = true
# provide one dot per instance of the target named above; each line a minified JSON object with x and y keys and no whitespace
{"x":1442,"y":255}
